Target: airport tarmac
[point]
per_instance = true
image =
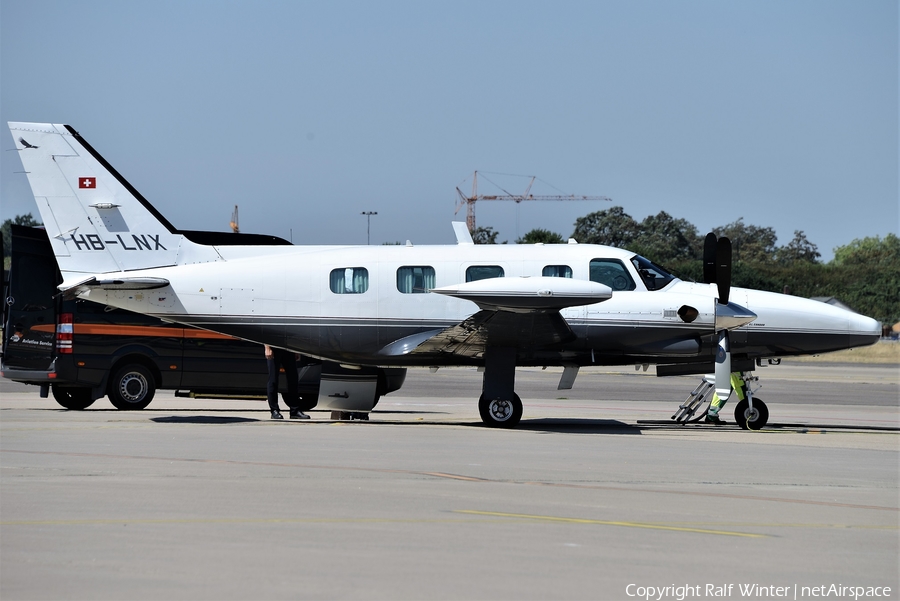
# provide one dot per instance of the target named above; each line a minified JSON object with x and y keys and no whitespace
{"x":596,"y":495}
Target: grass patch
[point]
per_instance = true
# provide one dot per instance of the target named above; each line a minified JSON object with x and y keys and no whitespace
{"x":883,"y":351}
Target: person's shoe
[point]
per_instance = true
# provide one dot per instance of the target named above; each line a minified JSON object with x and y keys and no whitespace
{"x":277,"y":415}
{"x":297,"y":414}
{"x":714,"y":419}
{"x":360,"y":416}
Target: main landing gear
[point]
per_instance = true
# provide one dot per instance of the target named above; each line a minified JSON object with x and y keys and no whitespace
{"x":499,"y":405}
{"x":500,"y":413}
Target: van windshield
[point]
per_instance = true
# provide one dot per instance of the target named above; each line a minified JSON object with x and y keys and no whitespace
{"x":654,"y":276}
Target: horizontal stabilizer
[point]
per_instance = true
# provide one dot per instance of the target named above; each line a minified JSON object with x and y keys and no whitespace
{"x":106,"y":283}
{"x":529,"y":294}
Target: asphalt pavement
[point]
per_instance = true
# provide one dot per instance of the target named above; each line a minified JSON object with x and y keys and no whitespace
{"x":596,"y":495}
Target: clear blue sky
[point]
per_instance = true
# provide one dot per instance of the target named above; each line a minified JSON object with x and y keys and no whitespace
{"x":307,"y":113}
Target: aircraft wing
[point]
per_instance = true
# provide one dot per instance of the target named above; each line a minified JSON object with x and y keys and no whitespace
{"x":515,"y":312}
{"x":529,"y":294}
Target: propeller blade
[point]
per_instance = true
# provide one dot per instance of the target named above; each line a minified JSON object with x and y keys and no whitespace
{"x":709,"y":259}
{"x":723,"y":269}
{"x":723,"y":366}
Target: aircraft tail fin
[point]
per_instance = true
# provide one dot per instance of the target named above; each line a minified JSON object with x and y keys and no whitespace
{"x":95,"y":220}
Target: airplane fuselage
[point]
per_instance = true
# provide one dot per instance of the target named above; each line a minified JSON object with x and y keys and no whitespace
{"x":289,"y":297}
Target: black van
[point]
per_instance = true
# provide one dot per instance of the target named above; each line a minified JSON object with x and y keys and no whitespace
{"x":82,"y":351}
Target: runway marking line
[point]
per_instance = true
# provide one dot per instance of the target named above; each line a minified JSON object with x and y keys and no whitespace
{"x":502,"y":518}
{"x":454,"y":476}
{"x":152,"y":521}
{"x":812,"y":526}
{"x":649,"y":526}
{"x":460,"y":477}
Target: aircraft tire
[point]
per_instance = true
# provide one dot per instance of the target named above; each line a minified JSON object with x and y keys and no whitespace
{"x":754,"y":420}
{"x":132,"y":387}
{"x":499,"y":413}
{"x":72,"y":398}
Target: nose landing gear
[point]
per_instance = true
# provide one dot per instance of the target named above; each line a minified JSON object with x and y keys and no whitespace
{"x":750,"y":413}
{"x":751,"y":418}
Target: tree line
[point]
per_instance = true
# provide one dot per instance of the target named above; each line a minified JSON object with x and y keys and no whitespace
{"x":864,"y":274}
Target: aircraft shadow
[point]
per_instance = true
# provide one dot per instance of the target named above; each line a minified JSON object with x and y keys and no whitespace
{"x":563,"y":425}
{"x":201,"y":419}
{"x":398,"y":412}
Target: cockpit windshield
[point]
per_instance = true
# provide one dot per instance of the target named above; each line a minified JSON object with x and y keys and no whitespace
{"x":654,"y":276}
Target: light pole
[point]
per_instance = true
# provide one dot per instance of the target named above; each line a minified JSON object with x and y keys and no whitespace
{"x":368,"y":215}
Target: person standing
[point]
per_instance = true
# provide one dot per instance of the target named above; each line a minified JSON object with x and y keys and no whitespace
{"x":739,"y":387}
{"x":276,"y":359}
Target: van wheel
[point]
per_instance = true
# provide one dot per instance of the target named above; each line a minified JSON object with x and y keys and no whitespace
{"x":73,"y":398}
{"x":132,"y":387}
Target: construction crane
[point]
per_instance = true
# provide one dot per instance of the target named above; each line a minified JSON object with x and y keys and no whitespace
{"x":470,"y":201}
{"x":234,"y":221}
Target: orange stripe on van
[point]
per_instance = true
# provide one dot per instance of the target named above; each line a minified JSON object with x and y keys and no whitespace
{"x":122,"y":330}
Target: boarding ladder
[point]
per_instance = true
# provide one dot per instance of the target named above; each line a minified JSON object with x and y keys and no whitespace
{"x":696,"y":405}
{"x":694,"y":408}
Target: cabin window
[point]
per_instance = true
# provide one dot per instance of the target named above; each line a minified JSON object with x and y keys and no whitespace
{"x":612,"y":273}
{"x":557,"y":271}
{"x":349,"y":280}
{"x":415,"y":280}
{"x":483,"y":272}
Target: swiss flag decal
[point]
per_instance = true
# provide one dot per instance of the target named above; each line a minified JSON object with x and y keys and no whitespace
{"x":87,"y":182}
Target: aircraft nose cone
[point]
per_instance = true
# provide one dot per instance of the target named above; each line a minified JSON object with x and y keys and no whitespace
{"x":863,"y":329}
{"x":790,"y":325}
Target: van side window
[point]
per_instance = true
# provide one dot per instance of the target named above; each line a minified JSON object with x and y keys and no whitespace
{"x":557,"y":271}
{"x":612,"y":273}
{"x":415,"y":280}
{"x":349,"y":280}
{"x":483,"y":272}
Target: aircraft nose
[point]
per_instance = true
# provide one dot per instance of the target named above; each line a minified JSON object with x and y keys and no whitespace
{"x":865,"y":329}
{"x":790,"y":325}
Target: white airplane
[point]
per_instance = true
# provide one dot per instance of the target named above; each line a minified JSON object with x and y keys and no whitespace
{"x":492,"y":306}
